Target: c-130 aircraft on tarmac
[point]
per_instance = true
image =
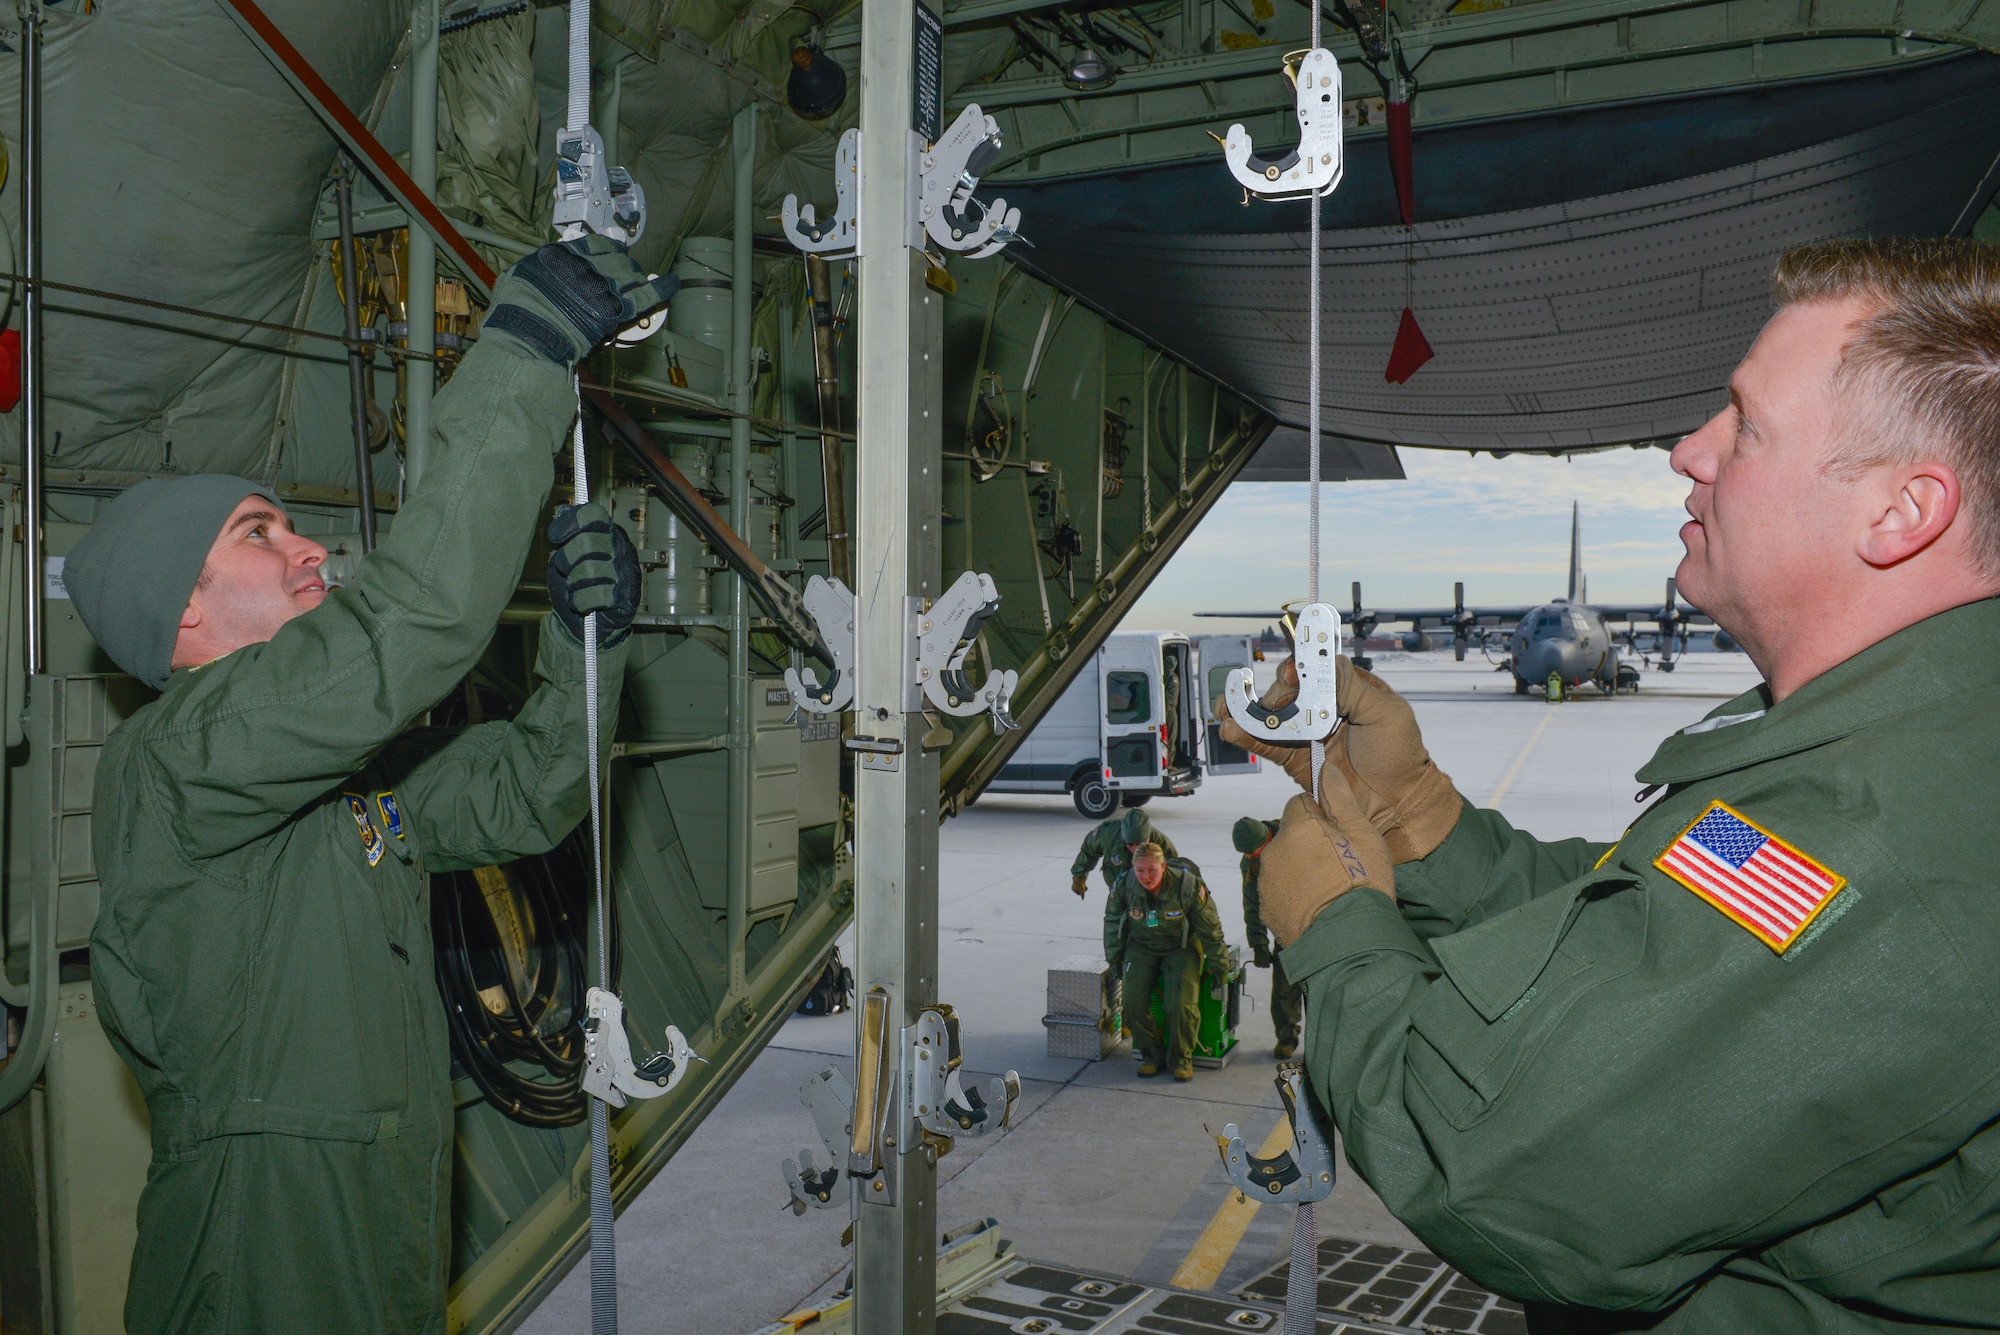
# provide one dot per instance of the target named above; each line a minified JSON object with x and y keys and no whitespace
{"x":1569,"y":638}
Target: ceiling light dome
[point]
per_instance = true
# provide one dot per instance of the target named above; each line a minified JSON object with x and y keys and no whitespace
{"x":1090,"y":72}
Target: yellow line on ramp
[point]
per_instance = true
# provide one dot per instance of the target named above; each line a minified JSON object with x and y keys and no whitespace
{"x":1514,"y":770}
{"x":1203,"y":1264}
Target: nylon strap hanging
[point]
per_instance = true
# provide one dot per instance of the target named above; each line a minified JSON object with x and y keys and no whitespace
{"x":1302,"y":1279}
{"x":1311,"y":171}
{"x":603,"y":1254}
{"x":603,"y":1248}
{"x":1312,"y":420}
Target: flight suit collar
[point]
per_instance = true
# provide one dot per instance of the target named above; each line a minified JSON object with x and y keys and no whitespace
{"x":1939,"y":657}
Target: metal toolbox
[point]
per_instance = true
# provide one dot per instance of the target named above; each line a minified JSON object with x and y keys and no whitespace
{"x":1083,"y":1016}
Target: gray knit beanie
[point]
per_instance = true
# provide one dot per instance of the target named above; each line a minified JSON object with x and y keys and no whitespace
{"x":132,"y":574}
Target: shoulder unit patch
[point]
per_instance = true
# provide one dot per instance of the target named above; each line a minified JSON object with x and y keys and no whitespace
{"x":1763,"y":884}
{"x":371,"y":838}
{"x":392,"y":814}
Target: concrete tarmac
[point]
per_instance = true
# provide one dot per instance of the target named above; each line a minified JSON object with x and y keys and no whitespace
{"x":1102,"y":1170}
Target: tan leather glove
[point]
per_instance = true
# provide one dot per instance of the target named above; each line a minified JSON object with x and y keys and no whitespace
{"x":1320,"y":853}
{"x":1387,"y":764}
{"x":1401,"y":792}
{"x":1079,"y":886}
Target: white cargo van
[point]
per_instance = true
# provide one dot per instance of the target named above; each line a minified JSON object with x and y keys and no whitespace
{"x":1135,"y":724}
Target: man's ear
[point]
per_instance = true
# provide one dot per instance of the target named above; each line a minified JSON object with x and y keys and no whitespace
{"x":1916,"y":509}
{"x":190,"y":616}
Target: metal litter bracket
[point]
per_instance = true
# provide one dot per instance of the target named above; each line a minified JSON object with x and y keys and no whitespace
{"x":1313,"y":715}
{"x":945,"y":635}
{"x":839,"y":237}
{"x":948,"y":172}
{"x":592,"y":196}
{"x":831,"y":606}
{"x":1302,"y":1173}
{"x":934,"y":1091}
{"x":1314,"y":167}
{"x":829,"y":1097}
{"x":609,"y":1073}
{"x":917,"y":1100}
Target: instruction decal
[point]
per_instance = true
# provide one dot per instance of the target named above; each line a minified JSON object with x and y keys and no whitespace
{"x":927,"y":76}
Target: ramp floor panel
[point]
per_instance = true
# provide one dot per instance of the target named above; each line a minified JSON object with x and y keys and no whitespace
{"x":1365,"y":1289}
{"x":1376,"y":1282}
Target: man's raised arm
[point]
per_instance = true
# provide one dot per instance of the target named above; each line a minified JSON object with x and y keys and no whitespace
{"x":269,"y":728}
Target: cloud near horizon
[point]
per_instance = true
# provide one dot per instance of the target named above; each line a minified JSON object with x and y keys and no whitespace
{"x":1501,"y":525}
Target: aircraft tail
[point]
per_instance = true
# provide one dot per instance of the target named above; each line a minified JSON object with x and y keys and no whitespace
{"x":1576,"y":586}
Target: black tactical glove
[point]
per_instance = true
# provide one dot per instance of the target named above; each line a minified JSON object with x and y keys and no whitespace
{"x":570,"y":296}
{"x":593,"y":567}
{"x":1260,"y":954}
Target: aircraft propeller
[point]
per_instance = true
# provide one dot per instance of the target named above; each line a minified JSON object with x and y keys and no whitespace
{"x":1461,"y":621}
{"x":1363,"y":624}
{"x":1672,"y":624}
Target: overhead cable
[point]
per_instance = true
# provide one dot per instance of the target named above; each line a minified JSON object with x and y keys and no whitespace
{"x":196,"y":312}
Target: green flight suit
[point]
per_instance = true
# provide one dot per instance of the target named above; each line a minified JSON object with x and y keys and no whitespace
{"x":1163,"y":937}
{"x":1586,"y":1086}
{"x":1107,"y":841}
{"x":1285,"y":994}
{"x":262,"y":951}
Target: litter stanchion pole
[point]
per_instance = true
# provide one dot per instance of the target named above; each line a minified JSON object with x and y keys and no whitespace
{"x":896,"y":559}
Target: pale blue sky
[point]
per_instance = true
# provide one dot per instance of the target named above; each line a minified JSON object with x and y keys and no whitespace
{"x":1501,"y":525}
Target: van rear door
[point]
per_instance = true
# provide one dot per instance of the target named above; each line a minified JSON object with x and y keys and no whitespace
{"x":1130,"y":713}
{"x":1219,"y":655}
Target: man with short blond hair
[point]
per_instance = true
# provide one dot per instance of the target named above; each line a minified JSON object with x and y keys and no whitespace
{"x":1920,"y":375}
{"x":1740,"y":1070}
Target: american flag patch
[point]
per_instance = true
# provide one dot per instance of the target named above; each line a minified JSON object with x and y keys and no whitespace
{"x":1765,"y":885}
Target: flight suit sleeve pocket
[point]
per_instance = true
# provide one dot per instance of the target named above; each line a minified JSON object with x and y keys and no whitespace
{"x":1506,"y":985}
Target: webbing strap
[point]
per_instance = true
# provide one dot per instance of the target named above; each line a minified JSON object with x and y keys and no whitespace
{"x":603,"y":1248}
{"x":1312,"y":415}
{"x":1302,"y":1286}
{"x":1302,"y":1278}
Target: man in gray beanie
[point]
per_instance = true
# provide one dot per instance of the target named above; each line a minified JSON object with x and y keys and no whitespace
{"x":132,"y":576}
{"x":264,"y":831}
